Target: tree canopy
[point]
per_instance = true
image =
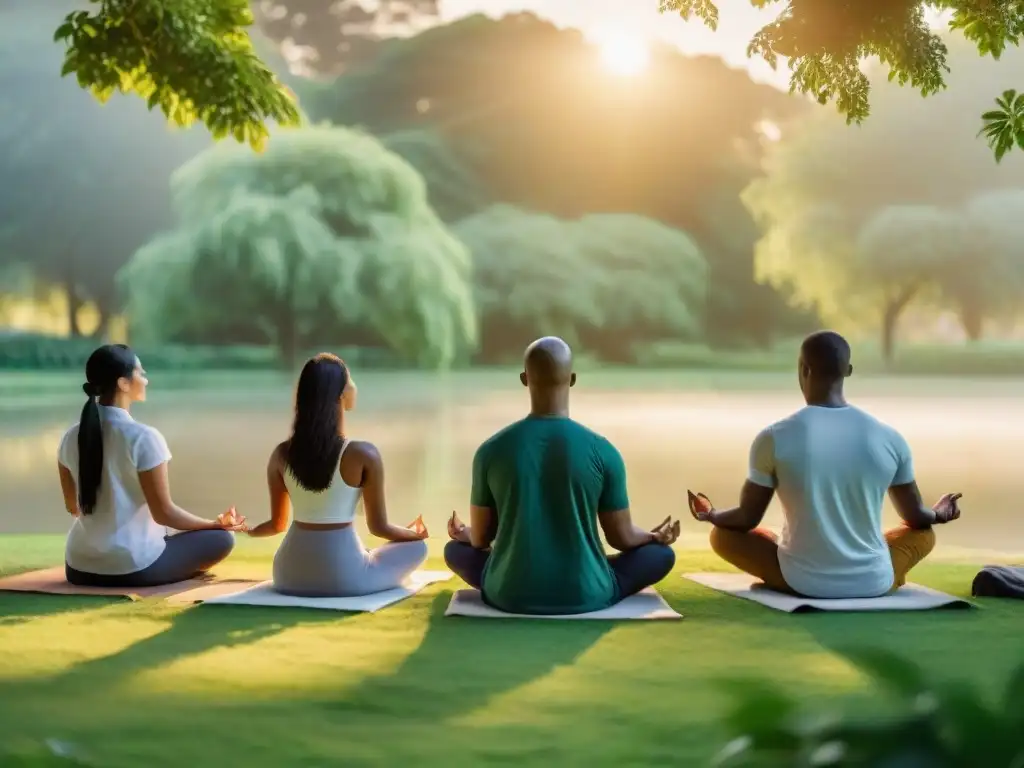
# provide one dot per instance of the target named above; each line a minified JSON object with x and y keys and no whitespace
{"x":607,"y":281}
{"x":544,"y":131}
{"x":861,"y":221}
{"x":825,"y":42}
{"x":324,"y":228}
{"x":193,"y":59}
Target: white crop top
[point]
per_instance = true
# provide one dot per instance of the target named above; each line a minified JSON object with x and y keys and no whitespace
{"x":336,"y":504}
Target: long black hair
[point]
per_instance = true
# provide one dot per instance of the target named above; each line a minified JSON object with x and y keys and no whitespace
{"x":105,"y":367}
{"x":314,"y":448}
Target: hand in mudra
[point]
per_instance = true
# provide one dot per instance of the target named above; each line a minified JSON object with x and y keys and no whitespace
{"x":457,"y":530}
{"x":231,"y":520}
{"x":700,"y":506}
{"x":419,"y":527}
{"x":947,"y":508}
{"x":667,"y":532}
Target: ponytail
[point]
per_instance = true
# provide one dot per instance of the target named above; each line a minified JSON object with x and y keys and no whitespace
{"x":90,"y":452}
{"x":105,"y":367}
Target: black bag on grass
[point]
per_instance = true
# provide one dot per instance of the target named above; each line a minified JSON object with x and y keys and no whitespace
{"x":999,"y":581}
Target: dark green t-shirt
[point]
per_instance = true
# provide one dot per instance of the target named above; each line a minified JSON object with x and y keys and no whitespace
{"x":547,"y":479}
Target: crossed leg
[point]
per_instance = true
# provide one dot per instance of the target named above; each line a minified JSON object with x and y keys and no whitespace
{"x":757,"y":552}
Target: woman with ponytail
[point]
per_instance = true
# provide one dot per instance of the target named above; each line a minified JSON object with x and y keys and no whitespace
{"x":318,"y":477}
{"x":113,"y":474}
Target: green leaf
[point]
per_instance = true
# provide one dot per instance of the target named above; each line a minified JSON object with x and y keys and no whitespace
{"x":63,"y":31}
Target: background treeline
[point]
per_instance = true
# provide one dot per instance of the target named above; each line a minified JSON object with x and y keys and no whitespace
{"x":464,"y":189}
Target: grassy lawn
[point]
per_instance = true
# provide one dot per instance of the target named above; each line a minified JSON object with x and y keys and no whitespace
{"x":146,"y":683}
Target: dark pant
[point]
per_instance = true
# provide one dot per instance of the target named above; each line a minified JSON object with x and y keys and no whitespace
{"x":186,"y":555}
{"x":634,"y":570}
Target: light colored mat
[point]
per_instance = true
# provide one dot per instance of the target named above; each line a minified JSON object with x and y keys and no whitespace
{"x":263,"y":594}
{"x":912,"y":597}
{"x":644,"y":605}
{"x":51,"y":581}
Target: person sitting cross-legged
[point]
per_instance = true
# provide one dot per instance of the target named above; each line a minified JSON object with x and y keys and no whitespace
{"x":831,"y":465}
{"x":541,"y":488}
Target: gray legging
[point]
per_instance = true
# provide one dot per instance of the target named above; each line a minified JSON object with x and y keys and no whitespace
{"x":333,"y":562}
{"x":185,"y":556}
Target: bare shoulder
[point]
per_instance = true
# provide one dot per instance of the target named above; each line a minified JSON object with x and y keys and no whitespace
{"x":367,"y":452}
{"x":279,"y":455}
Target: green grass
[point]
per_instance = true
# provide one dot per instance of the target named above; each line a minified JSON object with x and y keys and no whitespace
{"x":146,"y":683}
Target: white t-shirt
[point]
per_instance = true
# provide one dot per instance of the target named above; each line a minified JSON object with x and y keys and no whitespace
{"x":120,"y":536}
{"x":831,"y":468}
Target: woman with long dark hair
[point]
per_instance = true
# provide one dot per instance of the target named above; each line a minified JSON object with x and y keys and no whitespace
{"x":113,"y":474}
{"x":320,"y":476}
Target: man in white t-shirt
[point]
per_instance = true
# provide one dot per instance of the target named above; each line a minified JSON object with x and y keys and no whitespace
{"x":832,"y":465}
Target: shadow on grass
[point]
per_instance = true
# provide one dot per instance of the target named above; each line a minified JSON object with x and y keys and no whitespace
{"x":462,"y":663}
{"x":22,"y":607}
{"x":190,"y":632}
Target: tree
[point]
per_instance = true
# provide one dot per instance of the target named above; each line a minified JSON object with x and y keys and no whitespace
{"x":454,"y":190}
{"x":825,"y":43}
{"x":990,"y":281}
{"x":549,"y":133}
{"x":326,"y":37}
{"x":901,"y":252}
{"x":191,"y":58}
{"x":265,"y":262}
{"x":824,"y":182}
{"x":324,"y":227}
{"x":85,"y":184}
{"x":605,"y":282}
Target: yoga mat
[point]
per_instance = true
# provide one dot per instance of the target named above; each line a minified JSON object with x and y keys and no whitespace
{"x":644,"y":605}
{"x":51,"y":581}
{"x":263,"y":594}
{"x":912,"y":597}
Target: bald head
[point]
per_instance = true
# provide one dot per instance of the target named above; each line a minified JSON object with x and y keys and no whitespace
{"x":547,"y":364}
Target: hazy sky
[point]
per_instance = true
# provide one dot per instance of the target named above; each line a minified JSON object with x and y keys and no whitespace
{"x":738,"y":21}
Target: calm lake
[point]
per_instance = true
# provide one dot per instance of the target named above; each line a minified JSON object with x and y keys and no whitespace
{"x":674,"y":430}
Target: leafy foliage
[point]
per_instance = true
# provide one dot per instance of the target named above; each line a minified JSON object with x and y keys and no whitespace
{"x":825,"y":43}
{"x":544,"y":132}
{"x":939,"y":725}
{"x":324,"y":227}
{"x":1004,"y":126}
{"x":607,"y":281}
{"x":191,"y":58}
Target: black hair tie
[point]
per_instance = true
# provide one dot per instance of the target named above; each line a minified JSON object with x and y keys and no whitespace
{"x":90,"y":389}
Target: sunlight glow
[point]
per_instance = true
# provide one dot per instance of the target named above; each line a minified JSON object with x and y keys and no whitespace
{"x":624,"y":55}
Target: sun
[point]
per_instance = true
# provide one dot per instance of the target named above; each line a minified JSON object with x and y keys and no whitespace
{"x":624,"y":55}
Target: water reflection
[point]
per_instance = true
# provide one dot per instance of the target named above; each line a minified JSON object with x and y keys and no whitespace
{"x":670,"y":440}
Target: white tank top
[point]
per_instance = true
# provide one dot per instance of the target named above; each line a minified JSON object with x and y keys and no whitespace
{"x":336,"y":504}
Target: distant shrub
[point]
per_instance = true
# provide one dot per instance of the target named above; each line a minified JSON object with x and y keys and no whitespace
{"x":33,"y":352}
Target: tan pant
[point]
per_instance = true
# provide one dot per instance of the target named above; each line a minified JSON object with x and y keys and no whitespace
{"x":757,"y":552}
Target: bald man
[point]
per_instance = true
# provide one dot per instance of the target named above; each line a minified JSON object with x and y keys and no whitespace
{"x":832,"y":465}
{"x":541,"y":489}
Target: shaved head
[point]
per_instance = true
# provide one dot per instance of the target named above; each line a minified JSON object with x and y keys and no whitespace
{"x":548,"y":363}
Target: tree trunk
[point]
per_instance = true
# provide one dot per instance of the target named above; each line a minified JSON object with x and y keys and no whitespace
{"x":74,"y":303}
{"x":890,"y":319}
{"x":971,"y":320}
{"x":102,"y":332}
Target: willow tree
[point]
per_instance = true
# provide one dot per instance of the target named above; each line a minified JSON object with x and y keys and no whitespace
{"x":325,"y":227}
{"x":605,"y":282}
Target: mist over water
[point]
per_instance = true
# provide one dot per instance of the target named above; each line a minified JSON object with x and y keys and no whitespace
{"x":965,"y":437}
